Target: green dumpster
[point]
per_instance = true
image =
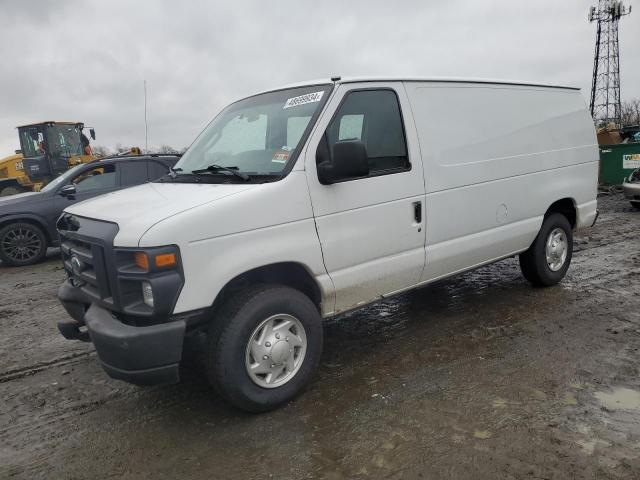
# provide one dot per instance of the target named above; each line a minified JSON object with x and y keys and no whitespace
{"x":618,"y":161}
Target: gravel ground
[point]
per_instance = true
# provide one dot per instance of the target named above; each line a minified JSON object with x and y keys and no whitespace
{"x":480,"y":376}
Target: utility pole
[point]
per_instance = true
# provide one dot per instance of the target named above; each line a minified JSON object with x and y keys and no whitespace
{"x":605,"y":102}
{"x":146,"y":128}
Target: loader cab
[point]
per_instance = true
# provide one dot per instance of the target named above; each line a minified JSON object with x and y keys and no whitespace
{"x":50,"y":148}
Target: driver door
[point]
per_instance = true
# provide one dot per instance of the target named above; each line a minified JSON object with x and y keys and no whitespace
{"x":371,"y":229}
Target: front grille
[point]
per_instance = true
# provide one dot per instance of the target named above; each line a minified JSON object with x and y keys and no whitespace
{"x":85,"y":265}
{"x":108,"y":276}
{"x":86,"y":246}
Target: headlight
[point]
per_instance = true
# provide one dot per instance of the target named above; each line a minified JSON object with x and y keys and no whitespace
{"x":147,"y":294}
{"x":149,"y":280}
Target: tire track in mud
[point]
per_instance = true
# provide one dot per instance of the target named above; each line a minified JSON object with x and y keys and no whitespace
{"x":18,"y":373}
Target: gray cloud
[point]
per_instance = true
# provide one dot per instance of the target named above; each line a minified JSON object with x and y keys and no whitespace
{"x":86,"y":61}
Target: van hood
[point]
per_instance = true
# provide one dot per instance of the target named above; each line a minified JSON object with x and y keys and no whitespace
{"x":137,"y":209}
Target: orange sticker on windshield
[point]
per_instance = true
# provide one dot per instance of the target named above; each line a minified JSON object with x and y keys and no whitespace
{"x":280,"y":157}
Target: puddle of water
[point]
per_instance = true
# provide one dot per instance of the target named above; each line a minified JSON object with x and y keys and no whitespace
{"x":499,"y":403}
{"x":538,"y":395}
{"x":620,"y":399}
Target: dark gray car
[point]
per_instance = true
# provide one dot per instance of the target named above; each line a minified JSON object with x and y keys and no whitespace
{"x":28,"y":220}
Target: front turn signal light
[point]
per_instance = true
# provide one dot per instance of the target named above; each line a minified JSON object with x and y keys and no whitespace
{"x":166,"y":260}
{"x":142,"y":260}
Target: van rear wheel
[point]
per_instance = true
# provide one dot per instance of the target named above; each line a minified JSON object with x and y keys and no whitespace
{"x":264,"y":346}
{"x":547,"y":260}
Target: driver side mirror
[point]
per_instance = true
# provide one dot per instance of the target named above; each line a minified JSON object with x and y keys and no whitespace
{"x":68,"y":190}
{"x":92,"y":133}
{"x":350,"y":160}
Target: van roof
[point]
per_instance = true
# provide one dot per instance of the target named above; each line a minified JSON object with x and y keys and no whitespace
{"x":419,"y":79}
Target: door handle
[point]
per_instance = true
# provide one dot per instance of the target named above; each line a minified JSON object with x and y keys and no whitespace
{"x":417,"y":211}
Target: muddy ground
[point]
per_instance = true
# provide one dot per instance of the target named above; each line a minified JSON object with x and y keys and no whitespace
{"x":480,"y":376}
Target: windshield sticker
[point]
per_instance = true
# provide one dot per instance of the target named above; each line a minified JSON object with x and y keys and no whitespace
{"x":303,"y":99}
{"x":280,"y":157}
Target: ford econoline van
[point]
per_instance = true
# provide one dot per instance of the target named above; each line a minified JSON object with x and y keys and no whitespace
{"x":304,"y":202}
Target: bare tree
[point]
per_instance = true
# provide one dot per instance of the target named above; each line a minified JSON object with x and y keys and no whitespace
{"x":631,"y":112}
{"x":120,"y":149}
{"x":100,"y":150}
{"x":166,"y":149}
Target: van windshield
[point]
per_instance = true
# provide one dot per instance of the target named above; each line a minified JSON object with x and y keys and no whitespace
{"x":259,"y":135}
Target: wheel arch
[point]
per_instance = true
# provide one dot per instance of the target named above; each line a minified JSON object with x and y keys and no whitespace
{"x":290,"y":274}
{"x":567,"y":207}
{"x":32,"y":219}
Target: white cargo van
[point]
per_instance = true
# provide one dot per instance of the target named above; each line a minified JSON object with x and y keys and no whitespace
{"x":307,"y":201}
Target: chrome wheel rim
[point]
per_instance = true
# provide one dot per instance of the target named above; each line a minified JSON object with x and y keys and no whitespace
{"x":275,"y":351}
{"x":556,"y":249}
{"x":21,"y":244}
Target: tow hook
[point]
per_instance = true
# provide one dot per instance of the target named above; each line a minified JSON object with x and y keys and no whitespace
{"x":71,"y":331}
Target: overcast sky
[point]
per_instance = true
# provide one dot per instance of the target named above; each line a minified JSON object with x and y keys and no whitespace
{"x":87,"y":60}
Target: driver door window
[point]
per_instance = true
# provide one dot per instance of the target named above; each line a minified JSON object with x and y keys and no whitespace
{"x":373,"y":117}
{"x":97,"y":179}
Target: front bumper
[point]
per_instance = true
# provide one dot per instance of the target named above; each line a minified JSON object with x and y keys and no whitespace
{"x":631,"y":191}
{"x":143,"y":355}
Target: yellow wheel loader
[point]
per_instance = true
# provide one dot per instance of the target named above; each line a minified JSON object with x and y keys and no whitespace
{"x":47,"y":150}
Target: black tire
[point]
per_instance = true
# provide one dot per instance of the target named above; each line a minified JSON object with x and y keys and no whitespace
{"x":635,"y":205}
{"x":229,"y":337}
{"x":12,"y":190}
{"x":533,"y":262}
{"x":22,"y":244}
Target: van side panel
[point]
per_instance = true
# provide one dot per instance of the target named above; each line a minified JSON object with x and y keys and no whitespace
{"x":495,"y":158}
{"x":485,"y":233}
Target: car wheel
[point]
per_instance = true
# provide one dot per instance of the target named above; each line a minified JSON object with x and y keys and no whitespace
{"x":22,"y":244}
{"x":7,"y":191}
{"x":264,"y":346}
{"x":635,"y":205}
{"x":546,"y":262}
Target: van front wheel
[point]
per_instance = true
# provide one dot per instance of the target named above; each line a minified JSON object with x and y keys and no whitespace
{"x":547,"y":260}
{"x":264,"y":346}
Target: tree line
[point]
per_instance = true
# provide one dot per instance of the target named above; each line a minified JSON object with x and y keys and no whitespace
{"x":103,"y":151}
{"x":631,"y":112}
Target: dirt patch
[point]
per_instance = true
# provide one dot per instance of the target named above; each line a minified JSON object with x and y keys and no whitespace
{"x":479,"y":377}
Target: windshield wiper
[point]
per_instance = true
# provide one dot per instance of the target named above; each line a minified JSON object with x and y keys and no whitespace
{"x":219,"y":168}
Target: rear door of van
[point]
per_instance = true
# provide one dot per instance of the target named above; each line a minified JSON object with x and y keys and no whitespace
{"x":371,"y":229}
